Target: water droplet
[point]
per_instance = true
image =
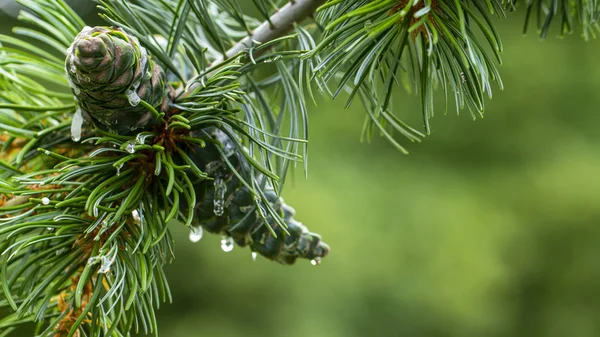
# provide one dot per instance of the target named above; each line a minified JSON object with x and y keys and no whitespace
{"x":46,"y":152}
{"x":227,"y":244}
{"x":368,"y":23}
{"x":50,"y":229}
{"x":61,"y":251}
{"x":130,"y":147}
{"x":119,"y":171}
{"x":316,"y":261}
{"x":219,"y":198}
{"x":45,"y":201}
{"x":106,"y":263}
{"x":136,"y":216}
{"x":196,"y":234}
{"x":254,"y":255}
{"x":76,"y":125}
{"x":133,"y":97}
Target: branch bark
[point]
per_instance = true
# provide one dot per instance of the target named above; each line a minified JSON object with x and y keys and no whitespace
{"x":279,"y":24}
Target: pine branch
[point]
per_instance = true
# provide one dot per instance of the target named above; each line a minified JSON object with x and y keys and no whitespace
{"x":84,"y":239}
{"x":277,"y":26}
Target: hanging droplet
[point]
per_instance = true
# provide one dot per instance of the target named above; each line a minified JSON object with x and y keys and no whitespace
{"x":76,"y":125}
{"x":130,"y":147}
{"x":219,"y":197}
{"x":45,"y":201}
{"x":133,"y":97}
{"x":196,"y":234}
{"x":254,"y":256}
{"x":316,"y":261}
{"x":106,"y":263}
{"x":227,"y":244}
{"x":119,"y":170}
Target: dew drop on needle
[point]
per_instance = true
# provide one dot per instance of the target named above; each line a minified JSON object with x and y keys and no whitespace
{"x":196,"y":233}
{"x":227,"y":244}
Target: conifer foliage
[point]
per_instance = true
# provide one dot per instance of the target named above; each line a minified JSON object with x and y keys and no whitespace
{"x":191,"y":113}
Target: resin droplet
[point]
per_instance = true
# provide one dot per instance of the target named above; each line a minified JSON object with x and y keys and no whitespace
{"x":133,"y":97}
{"x":316,"y":261}
{"x":106,"y":263}
{"x":196,"y":234}
{"x":45,"y":201}
{"x":130,"y":147}
{"x":76,"y":125}
{"x":219,"y":198}
{"x":254,"y":256}
{"x":227,"y":244}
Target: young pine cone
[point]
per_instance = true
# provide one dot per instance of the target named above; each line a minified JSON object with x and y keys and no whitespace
{"x":227,"y":207}
{"x":110,"y":72}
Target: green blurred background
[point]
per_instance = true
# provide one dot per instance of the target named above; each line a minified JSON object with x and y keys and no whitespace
{"x":488,"y":228}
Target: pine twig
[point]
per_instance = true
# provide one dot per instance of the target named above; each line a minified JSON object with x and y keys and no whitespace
{"x":278,"y":25}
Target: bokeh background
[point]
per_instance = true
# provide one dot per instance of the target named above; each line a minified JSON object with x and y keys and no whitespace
{"x":488,"y":228}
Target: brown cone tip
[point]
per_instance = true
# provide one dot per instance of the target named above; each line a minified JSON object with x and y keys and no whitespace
{"x":90,"y":53}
